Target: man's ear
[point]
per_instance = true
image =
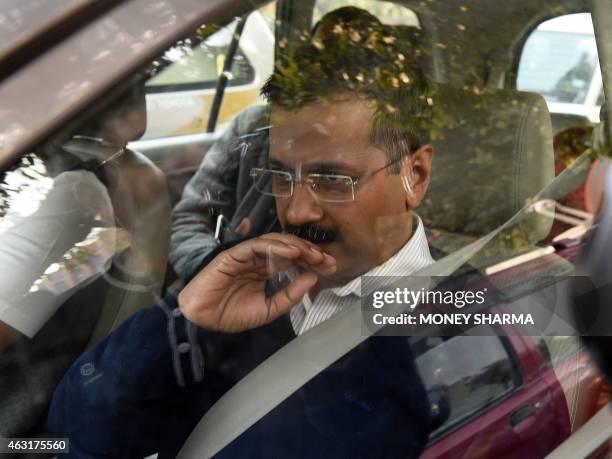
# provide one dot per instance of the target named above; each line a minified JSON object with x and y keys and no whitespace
{"x":417,"y":172}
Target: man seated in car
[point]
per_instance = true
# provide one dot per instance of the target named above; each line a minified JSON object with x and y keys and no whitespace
{"x":346,"y":170}
{"x":222,"y":185}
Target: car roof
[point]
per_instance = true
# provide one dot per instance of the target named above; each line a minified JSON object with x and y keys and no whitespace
{"x":23,"y":22}
{"x":47,"y":91}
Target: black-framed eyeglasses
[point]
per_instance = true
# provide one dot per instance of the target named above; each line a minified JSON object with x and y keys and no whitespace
{"x":326,"y":187}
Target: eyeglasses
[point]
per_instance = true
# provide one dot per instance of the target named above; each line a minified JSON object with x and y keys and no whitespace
{"x":326,"y":187}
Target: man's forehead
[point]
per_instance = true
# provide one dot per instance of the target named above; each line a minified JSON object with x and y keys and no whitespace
{"x":333,"y":124}
{"x":322,"y":116}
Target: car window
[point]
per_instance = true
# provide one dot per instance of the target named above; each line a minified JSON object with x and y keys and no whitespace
{"x":559,"y":60}
{"x":337,"y":158}
{"x":180,"y":95}
{"x":469,"y":381}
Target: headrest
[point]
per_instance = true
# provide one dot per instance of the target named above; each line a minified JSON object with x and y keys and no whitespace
{"x":493,"y":151}
{"x":120,"y":118}
{"x":123,"y":119}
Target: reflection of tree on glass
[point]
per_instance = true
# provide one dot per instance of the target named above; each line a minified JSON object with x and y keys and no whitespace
{"x":345,"y":115}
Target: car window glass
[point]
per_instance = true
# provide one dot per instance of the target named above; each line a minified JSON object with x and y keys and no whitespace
{"x":366,"y":157}
{"x":558,"y":349}
{"x":179,"y":97}
{"x":469,"y":381}
{"x":559,"y":60}
{"x":387,"y":12}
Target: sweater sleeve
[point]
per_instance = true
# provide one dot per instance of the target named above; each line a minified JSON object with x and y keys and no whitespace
{"x":117,"y":398}
{"x":210,"y":192}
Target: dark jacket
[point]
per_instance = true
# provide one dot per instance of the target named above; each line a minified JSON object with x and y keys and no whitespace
{"x":145,"y":387}
{"x":223,"y":185}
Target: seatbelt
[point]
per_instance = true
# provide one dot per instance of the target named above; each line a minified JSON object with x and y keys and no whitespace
{"x":310,"y":353}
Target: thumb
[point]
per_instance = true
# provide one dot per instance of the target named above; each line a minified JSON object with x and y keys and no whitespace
{"x":292,"y":294}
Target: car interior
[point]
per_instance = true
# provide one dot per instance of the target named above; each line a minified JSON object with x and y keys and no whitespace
{"x":500,"y":158}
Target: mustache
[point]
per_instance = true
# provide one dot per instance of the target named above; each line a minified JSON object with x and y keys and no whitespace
{"x":312,"y":232}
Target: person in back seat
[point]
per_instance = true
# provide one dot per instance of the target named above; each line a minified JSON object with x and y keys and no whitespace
{"x":221,"y":186}
{"x":346,"y":169}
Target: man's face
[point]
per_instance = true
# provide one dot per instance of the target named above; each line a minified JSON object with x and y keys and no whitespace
{"x":332,"y":138}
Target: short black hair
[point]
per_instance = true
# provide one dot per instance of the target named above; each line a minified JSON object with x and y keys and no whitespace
{"x":352,"y":52}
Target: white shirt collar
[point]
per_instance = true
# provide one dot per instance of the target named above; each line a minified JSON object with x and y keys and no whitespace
{"x":413,"y":256}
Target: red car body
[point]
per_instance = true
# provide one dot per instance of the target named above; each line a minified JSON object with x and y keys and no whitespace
{"x":552,"y":401}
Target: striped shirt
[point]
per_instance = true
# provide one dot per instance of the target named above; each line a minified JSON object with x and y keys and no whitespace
{"x":413,"y":256}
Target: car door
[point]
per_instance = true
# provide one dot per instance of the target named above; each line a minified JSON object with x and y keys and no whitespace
{"x":498,"y":404}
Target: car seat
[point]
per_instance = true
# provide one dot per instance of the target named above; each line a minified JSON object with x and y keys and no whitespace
{"x":493,"y":152}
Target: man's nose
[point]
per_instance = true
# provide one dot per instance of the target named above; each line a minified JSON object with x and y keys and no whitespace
{"x":303,"y":206}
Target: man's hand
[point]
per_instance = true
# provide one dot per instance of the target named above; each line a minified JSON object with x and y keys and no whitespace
{"x":228,"y":294}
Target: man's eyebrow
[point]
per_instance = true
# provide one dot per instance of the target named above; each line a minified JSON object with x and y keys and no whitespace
{"x":330,"y":167}
{"x":277,"y":164}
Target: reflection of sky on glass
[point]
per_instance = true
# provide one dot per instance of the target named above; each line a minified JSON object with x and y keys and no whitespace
{"x":559,"y":58}
{"x":25,"y":187}
{"x":86,"y":259}
{"x":573,"y":23}
{"x":174,"y":54}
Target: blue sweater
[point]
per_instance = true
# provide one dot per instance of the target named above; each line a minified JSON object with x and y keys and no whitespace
{"x":144,"y":388}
